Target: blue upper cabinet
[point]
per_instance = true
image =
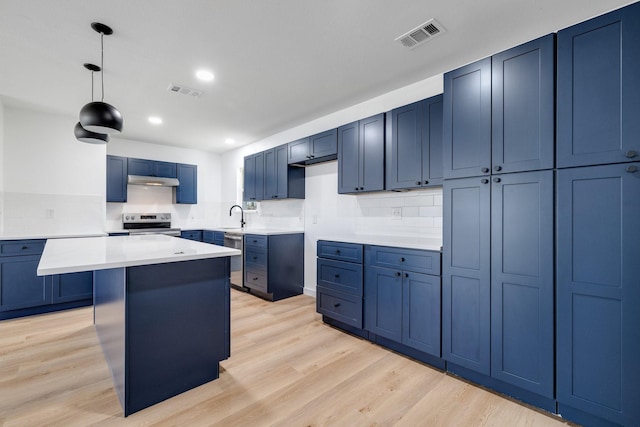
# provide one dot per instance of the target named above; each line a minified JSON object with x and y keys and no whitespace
{"x":598,"y":247}
{"x":361,"y":155}
{"x":116,"y":179}
{"x":254,"y":177}
{"x":414,"y":148}
{"x":282,"y":181}
{"x":523,"y":114}
{"x":144,"y":167}
{"x":187,"y":191}
{"x":165,"y":169}
{"x":522,"y":291}
{"x":317,"y":148}
{"x":298,"y":151}
{"x":140,"y":167}
{"x":466,"y":287}
{"x":599,"y":90}
{"x":467,"y":120}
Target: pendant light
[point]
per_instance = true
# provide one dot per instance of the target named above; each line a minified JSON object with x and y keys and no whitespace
{"x":81,"y":133}
{"x":101,"y":117}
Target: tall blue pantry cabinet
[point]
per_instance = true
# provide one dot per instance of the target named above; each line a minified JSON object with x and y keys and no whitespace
{"x":598,"y":231}
{"x":497,"y":287}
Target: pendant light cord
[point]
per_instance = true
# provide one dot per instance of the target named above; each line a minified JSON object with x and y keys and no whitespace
{"x":102,"y":62}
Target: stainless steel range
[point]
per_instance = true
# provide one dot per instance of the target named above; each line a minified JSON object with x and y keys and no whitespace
{"x":149,"y":223}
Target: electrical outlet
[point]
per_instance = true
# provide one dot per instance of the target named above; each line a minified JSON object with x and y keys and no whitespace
{"x":314,"y":219}
{"x":49,"y":213}
{"x":396,"y":213}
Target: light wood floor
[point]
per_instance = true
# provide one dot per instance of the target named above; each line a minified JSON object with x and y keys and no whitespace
{"x":286,"y":369}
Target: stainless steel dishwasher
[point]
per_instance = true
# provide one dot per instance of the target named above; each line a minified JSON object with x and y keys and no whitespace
{"x":236,"y":241}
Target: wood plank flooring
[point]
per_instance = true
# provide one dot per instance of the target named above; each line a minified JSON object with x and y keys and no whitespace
{"x":287,"y":368}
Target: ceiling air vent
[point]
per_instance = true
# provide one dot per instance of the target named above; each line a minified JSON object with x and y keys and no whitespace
{"x":183,"y":90}
{"x":422,"y":33}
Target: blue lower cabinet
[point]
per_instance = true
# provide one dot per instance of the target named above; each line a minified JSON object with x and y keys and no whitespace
{"x":192,"y":235}
{"x":20,"y":286}
{"x":598,"y":334}
{"x":383,"y":302}
{"x":466,"y":278}
{"x":71,"y":286}
{"x":402,"y":304}
{"x":522,"y":291}
{"x":421,"y":312}
{"x":344,"y":307}
{"x":213,"y":237}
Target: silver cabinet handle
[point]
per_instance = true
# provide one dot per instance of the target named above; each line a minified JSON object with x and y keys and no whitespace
{"x":632,"y":168}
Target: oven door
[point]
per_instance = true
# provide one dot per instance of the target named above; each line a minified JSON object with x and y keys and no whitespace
{"x":166,"y":231}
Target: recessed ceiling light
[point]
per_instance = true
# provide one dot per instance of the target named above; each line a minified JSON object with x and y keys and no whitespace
{"x":204,"y":75}
{"x":229,"y":141}
{"x":155,"y":120}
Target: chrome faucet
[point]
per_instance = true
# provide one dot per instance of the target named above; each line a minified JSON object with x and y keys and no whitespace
{"x":242,"y":223}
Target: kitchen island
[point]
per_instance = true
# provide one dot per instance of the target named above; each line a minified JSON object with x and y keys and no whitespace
{"x":161,"y":309}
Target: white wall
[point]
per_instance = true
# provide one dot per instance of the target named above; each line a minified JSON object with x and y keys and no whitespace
{"x":160,"y":199}
{"x":326,"y":214}
{"x":50,"y":181}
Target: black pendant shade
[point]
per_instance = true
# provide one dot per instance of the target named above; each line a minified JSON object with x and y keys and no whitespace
{"x":99,"y":117}
{"x":84,"y":135}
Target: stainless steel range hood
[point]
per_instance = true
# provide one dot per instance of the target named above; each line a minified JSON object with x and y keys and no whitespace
{"x":152,"y":181}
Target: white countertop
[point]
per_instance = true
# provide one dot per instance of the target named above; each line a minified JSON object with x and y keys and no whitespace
{"x":27,"y":236}
{"x":98,"y":253}
{"x":261,"y":231}
{"x":410,"y":242}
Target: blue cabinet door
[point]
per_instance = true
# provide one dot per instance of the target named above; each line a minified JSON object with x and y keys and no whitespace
{"x":467,"y":120}
{"x":348,"y":158}
{"x":522,"y":291}
{"x":432,"y":125}
{"x":404,"y":159}
{"x":165,"y":169}
{"x":270,"y":174}
{"x":187,"y":191}
{"x":298,"y":151}
{"x":72,"y":286}
{"x":421,"y":312}
{"x":599,"y":90}
{"x":116,"y":179}
{"x":371,"y":153}
{"x":383,"y":302}
{"x":324,"y":144}
{"x":254,"y":177}
{"x":192,"y":235}
{"x":523,"y":100}
{"x":20,"y":287}
{"x":466,"y":275}
{"x":598,"y":292}
{"x":140,"y":167}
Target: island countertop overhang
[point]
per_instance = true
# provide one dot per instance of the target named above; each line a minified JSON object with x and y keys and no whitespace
{"x":73,"y":255}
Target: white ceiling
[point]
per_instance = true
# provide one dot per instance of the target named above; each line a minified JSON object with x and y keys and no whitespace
{"x":278,"y":63}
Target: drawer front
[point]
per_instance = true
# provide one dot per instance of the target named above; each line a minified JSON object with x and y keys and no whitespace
{"x":350,"y":252}
{"x":255,"y":258}
{"x":255,"y":240}
{"x":192,"y":235}
{"x":340,"y":276}
{"x":256,"y":280}
{"x":21,"y":247}
{"x":340,"y":306}
{"x":420,"y":261}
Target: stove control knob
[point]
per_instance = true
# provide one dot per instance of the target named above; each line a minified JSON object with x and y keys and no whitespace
{"x":126,"y":217}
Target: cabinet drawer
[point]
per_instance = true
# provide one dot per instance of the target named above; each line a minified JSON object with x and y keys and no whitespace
{"x":351,"y":252}
{"x":255,"y":240}
{"x":420,"y":261}
{"x":340,"y":276}
{"x":21,"y":247}
{"x":340,"y":306}
{"x":256,"y":280}
{"x":255,"y":258}
{"x":192,"y":235}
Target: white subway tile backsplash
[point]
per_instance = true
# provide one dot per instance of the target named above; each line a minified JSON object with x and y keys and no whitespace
{"x":426,"y":200}
{"x":431,"y":211}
